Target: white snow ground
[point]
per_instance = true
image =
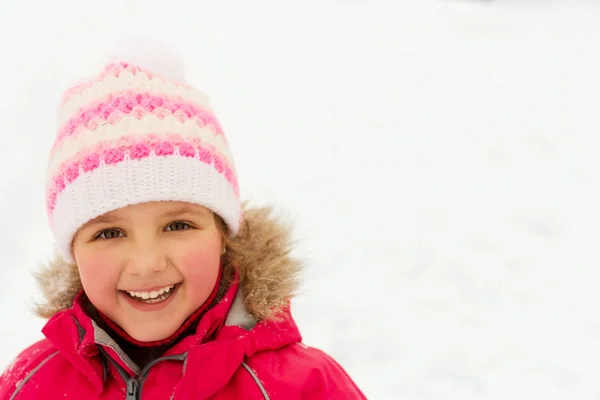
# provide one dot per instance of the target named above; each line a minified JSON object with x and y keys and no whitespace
{"x":439,"y":159}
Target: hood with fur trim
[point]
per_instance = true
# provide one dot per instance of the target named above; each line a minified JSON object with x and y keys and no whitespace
{"x":260,"y":252}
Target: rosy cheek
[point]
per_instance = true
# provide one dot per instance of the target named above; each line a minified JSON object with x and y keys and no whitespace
{"x":97,"y":272}
{"x":200,"y":268}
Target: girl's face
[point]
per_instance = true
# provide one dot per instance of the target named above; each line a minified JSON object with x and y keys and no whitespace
{"x":149,"y":266}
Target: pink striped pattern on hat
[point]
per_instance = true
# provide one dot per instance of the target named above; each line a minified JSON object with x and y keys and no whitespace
{"x":115,"y":107}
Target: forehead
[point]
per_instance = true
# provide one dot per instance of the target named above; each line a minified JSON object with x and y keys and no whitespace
{"x":156,"y":209}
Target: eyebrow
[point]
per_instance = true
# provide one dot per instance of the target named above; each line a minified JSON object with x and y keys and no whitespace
{"x":186,"y":210}
{"x":104,"y":219}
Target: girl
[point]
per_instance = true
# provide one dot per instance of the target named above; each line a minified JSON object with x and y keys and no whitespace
{"x":165,"y":286}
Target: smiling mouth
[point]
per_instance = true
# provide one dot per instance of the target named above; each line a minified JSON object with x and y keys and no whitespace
{"x":153,"y":297}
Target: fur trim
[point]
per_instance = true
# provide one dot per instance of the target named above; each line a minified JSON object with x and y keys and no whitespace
{"x":260,"y":252}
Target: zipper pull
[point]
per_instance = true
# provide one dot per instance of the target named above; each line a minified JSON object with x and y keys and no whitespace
{"x":132,"y":389}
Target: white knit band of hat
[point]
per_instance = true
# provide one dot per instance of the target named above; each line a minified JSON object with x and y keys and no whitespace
{"x":111,"y":187}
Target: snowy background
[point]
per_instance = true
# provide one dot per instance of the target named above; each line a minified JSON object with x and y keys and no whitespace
{"x":439,"y":159}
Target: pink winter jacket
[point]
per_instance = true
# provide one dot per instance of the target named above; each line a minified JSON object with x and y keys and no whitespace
{"x":230,"y":356}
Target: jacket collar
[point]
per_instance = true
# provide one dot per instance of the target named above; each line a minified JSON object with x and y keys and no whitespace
{"x":225,"y":335}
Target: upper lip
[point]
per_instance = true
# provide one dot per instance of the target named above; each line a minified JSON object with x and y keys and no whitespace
{"x":150,"y":289}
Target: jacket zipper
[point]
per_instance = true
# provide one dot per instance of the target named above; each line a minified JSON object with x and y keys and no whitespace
{"x":132,"y":389}
{"x":134,"y":385}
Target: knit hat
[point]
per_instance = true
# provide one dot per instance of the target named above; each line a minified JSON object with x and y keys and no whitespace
{"x":137,"y":132}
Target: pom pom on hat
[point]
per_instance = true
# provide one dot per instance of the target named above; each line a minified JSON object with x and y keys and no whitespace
{"x":151,"y":55}
{"x":137,"y":132}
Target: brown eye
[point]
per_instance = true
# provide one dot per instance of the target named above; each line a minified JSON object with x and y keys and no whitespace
{"x":109,"y":234}
{"x":178,"y":226}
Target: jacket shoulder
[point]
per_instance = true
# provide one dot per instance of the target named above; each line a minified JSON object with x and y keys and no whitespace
{"x":23,"y":366}
{"x":303,"y":372}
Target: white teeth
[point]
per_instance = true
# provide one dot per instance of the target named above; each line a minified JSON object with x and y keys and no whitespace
{"x":153,"y":294}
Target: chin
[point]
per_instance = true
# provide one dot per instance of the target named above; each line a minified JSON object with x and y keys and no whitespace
{"x":151,"y":333}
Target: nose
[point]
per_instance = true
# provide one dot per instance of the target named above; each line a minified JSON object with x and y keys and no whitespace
{"x":146,"y":259}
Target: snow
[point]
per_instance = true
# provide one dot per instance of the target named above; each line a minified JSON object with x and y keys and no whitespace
{"x":438,"y":158}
